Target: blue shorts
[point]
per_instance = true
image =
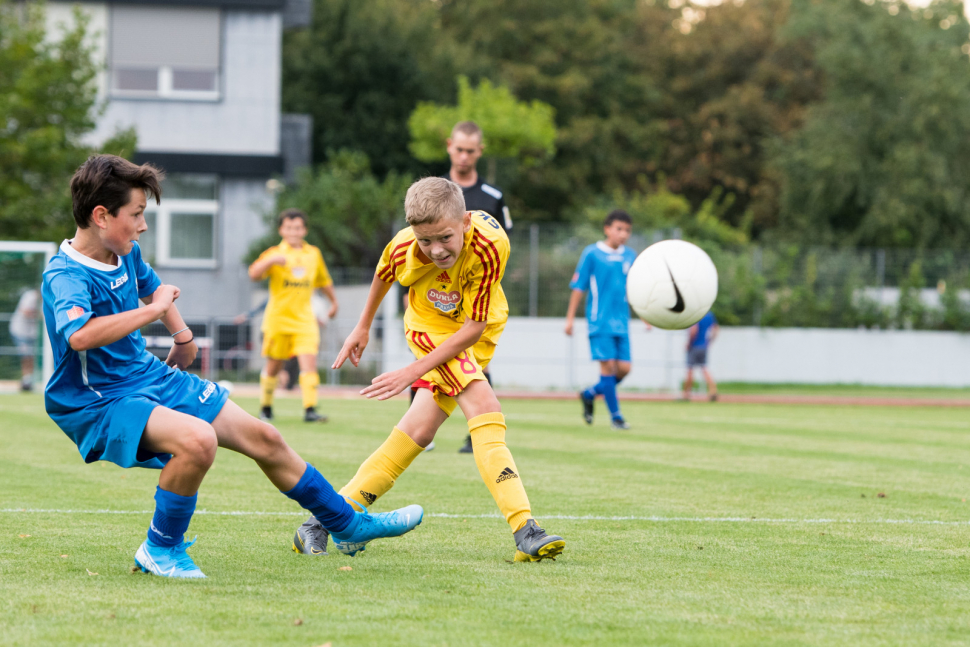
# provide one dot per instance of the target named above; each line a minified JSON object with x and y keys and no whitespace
{"x":605,"y":347}
{"x":110,"y":429}
{"x":697,"y":356}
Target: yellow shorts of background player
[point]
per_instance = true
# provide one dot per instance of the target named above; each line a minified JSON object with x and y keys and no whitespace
{"x":286,"y":345}
{"x":451,"y":378}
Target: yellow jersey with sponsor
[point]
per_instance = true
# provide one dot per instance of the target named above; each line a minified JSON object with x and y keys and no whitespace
{"x":290,"y":287}
{"x":440,"y":300}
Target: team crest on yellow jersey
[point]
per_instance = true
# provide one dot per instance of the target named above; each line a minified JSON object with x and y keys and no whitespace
{"x":446,"y":302}
{"x":298,"y":272}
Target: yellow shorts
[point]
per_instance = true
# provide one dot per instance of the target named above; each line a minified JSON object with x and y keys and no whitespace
{"x":451,"y":378}
{"x":286,"y":345}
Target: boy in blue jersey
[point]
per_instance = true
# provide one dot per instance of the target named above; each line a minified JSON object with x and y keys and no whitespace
{"x":602,"y":270}
{"x":699,"y":338}
{"x":119,"y":403}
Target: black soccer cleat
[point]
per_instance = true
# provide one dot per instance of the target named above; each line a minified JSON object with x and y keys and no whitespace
{"x":311,"y":538}
{"x":467,"y":447}
{"x":587,"y":407}
{"x":532,"y":544}
{"x":619,"y":423}
{"x":311,"y":415}
{"x":266,"y":414}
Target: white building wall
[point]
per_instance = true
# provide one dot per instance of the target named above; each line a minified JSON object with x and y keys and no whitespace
{"x":535,"y":354}
{"x":246,"y":120}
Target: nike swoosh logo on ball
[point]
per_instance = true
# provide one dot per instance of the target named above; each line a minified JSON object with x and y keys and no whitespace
{"x":679,"y":306}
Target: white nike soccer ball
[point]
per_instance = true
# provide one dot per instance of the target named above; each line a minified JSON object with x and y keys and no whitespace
{"x":672,"y":284}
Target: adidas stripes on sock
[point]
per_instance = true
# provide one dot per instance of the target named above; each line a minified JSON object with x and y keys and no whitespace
{"x":377,"y":474}
{"x":498,"y":470}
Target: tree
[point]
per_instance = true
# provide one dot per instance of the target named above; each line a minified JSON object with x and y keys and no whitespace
{"x":352,"y":214}
{"x":48,"y":103}
{"x":884,"y":158}
{"x":512,"y":129}
{"x":359,"y":70}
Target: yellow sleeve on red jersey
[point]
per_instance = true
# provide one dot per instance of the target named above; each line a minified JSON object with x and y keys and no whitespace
{"x":489,"y":253}
{"x":323,"y":275}
{"x":272,"y":251}
{"x":395,"y":255}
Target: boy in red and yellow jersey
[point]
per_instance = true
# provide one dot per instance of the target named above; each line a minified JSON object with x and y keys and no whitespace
{"x":452,"y":261}
{"x":295,"y":269}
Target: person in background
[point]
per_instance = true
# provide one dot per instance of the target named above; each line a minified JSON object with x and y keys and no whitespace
{"x":24,"y":329}
{"x":700,"y":337}
{"x":465,"y":147}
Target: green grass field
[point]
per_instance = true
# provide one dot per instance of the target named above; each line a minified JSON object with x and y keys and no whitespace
{"x":735,"y":524}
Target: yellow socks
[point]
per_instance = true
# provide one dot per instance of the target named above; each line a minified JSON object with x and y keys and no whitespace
{"x":377,"y":474}
{"x":308,"y":386}
{"x":497,"y":468}
{"x":267,"y":385}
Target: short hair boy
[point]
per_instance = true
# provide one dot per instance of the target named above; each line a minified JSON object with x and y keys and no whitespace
{"x":602,"y":270}
{"x":117,"y":402}
{"x":452,"y":262}
{"x":295,"y":269}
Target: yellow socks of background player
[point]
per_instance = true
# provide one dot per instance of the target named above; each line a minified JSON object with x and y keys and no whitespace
{"x":308,"y":387}
{"x":377,"y":474}
{"x":497,"y":468}
{"x":267,"y":385}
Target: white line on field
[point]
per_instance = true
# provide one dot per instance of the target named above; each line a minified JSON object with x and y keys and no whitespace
{"x":569,"y":517}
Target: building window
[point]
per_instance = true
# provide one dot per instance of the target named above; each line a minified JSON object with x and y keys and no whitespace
{"x":165,"y":52}
{"x":182,"y":230}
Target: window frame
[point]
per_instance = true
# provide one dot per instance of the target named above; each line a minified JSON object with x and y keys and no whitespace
{"x":163,"y":231}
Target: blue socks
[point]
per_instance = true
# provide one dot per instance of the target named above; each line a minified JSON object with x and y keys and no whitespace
{"x":314,"y":493}
{"x":173,"y":512}
{"x":607,"y":388}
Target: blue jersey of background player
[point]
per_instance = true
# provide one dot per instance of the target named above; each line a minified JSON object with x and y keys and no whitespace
{"x":698,"y":339}
{"x":602,"y":270}
{"x":118,"y":402}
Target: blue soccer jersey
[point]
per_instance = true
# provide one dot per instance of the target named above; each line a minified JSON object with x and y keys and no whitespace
{"x":77,"y":288}
{"x":703,"y":330}
{"x":602,"y":271}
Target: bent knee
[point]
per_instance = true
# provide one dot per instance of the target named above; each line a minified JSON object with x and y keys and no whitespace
{"x":199,"y":443}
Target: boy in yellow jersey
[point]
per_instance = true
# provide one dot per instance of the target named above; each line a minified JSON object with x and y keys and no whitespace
{"x":295,"y":269}
{"x":452,"y":261}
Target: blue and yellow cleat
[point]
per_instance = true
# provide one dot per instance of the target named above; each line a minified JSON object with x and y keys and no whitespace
{"x":167,"y":561}
{"x":366,"y":527}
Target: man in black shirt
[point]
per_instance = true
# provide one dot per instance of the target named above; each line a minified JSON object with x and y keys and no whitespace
{"x":464,"y":148}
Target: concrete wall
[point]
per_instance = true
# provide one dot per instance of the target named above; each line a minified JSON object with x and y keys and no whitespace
{"x":535,"y":354}
{"x":246,"y":120}
{"x":225,"y":291}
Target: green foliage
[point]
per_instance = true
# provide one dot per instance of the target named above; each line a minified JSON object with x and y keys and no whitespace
{"x":360,"y":69}
{"x":884,"y":158}
{"x":352,"y":213}
{"x":525,"y":131}
{"x":47,"y":104}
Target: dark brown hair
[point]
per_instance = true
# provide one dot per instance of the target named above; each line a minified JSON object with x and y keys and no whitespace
{"x":107,"y":181}
{"x":617,"y":214}
{"x":290,"y":214}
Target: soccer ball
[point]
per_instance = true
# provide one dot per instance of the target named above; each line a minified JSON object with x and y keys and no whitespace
{"x":672,"y":284}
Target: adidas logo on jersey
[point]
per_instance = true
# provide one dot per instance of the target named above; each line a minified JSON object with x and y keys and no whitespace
{"x":368,"y":497}
{"x":506,"y":474}
{"x":443,"y":277}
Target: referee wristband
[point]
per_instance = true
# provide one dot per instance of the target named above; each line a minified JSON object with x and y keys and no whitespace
{"x":178,"y":332}
{"x":183,"y":343}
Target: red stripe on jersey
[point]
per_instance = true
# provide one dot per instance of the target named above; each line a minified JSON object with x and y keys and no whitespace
{"x":483,"y":299}
{"x":451,"y":381}
{"x":397,"y":254}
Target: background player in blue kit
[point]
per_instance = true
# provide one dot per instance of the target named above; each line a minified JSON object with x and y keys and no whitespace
{"x":699,"y":339}
{"x":602,"y":270}
{"x":119,"y":403}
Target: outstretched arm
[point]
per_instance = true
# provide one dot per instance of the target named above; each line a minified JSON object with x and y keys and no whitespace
{"x":388,"y":385}
{"x":574,"y":300}
{"x":355,"y":344}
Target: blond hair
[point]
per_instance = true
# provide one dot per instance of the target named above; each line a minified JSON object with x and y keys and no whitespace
{"x":432,"y":199}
